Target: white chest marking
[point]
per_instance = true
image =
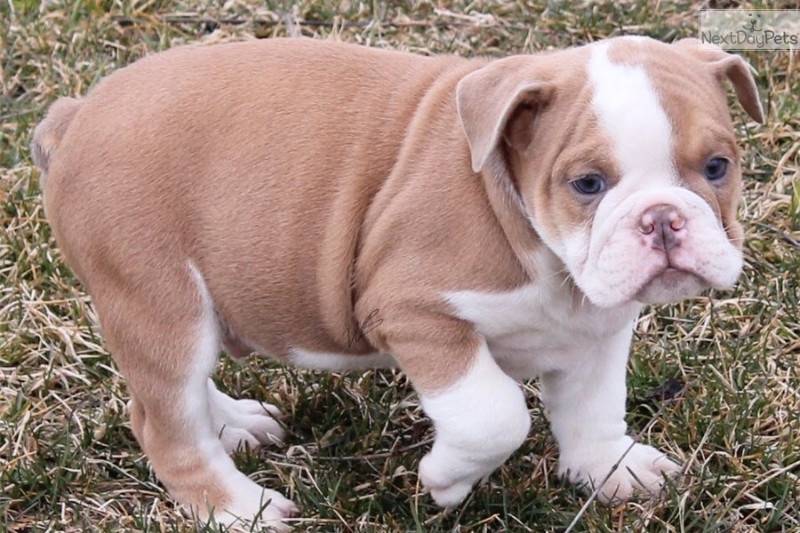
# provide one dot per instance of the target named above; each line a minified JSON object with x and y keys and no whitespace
{"x":540,"y":328}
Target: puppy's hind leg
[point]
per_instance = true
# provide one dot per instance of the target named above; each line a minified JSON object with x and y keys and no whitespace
{"x":166,"y":343}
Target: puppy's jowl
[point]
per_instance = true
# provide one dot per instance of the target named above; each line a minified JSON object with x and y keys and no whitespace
{"x":507,"y":218}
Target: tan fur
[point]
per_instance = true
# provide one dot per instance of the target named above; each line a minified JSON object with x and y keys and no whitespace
{"x":49,"y":133}
{"x":317,"y":188}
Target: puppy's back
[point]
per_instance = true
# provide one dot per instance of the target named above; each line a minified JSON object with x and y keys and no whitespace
{"x":261,"y":145}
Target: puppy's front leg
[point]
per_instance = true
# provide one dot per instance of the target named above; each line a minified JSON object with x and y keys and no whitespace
{"x":480,"y":418}
{"x":587,"y":409}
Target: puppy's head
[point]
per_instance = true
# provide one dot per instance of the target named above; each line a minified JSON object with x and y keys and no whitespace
{"x":622,"y":156}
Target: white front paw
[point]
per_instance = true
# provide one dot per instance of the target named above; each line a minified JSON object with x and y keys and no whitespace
{"x":449,"y":480}
{"x":628,"y":469}
{"x":480,"y":420}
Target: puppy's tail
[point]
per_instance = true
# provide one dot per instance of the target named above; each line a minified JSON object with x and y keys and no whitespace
{"x":48,"y":134}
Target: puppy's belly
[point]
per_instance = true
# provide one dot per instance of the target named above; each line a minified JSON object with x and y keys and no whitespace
{"x":339,"y":362}
{"x":237,"y":347}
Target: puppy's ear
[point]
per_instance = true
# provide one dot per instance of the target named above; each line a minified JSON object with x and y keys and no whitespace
{"x":490,"y":97}
{"x":730,"y":66}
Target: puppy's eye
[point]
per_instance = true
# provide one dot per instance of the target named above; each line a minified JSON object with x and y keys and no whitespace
{"x":716,"y":168}
{"x":590,"y":184}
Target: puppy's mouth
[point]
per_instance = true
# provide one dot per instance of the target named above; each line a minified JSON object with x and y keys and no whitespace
{"x":669,"y":285}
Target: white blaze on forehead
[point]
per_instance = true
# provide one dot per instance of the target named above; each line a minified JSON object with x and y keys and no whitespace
{"x":626,"y":104}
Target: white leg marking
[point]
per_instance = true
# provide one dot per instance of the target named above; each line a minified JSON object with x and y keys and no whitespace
{"x":248,"y":501}
{"x":479,"y":422}
{"x":587,"y":409}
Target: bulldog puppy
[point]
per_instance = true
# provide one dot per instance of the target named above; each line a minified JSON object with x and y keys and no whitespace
{"x":472,"y":222}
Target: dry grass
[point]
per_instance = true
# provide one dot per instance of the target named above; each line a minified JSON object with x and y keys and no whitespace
{"x":69,"y":461}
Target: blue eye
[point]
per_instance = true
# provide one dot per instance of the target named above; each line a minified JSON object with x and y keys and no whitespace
{"x":716,"y":168}
{"x":590,"y":184}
